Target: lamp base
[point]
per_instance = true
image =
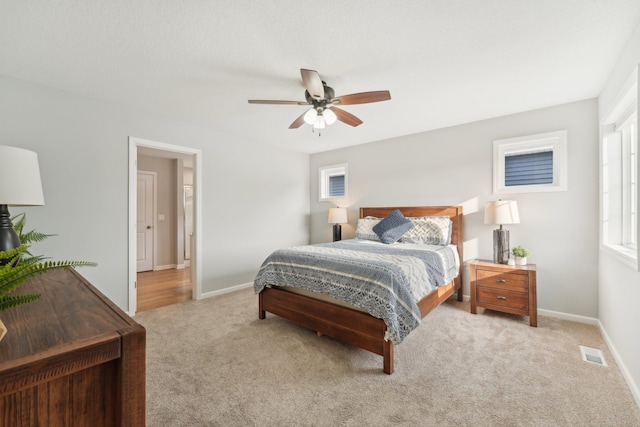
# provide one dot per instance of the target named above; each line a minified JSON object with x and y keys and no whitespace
{"x":501,"y":246}
{"x":8,"y":237}
{"x":337,"y":232}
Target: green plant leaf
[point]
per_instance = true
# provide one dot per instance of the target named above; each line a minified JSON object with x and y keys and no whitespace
{"x":34,"y":236}
{"x":15,"y":277}
{"x":519,"y":251}
{"x":13,"y":253}
{"x":7,"y":302}
{"x":18,"y":264}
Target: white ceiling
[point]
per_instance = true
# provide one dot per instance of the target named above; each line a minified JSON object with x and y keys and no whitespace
{"x":445,"y":62}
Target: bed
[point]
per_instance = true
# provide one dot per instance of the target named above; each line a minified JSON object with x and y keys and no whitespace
{"x":351,"y":324}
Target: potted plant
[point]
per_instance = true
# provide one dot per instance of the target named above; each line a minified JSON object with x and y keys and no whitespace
{"x":18,"y":264}
{"x":521,"y":255}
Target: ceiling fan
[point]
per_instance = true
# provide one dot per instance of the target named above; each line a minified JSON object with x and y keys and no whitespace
{"x":323,"y":102}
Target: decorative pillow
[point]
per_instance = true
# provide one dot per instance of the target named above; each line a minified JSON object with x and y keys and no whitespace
{"x":364,"y":229}
{"x":429,"y":230}
{"x":390,"y":229}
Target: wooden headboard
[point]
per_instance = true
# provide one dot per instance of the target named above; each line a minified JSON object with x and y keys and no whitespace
{"x":453,"y":212}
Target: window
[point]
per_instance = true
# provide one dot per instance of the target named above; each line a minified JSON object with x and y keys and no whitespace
{"x":619,"y":171}
{"x":530,"y":164}
{"x":333,"y":182}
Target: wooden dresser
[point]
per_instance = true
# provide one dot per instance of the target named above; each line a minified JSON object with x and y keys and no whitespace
{"x":506,"y":288}
{"x":72,"y":358}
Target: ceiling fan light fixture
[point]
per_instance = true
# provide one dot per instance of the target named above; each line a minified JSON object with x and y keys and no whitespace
{"x":329,"y":116}
{"x":323,"y":102}
{"x":310,"y":116}
{"x":319,"y":123}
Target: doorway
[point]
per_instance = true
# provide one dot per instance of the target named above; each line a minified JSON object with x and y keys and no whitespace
{"x":175,"y":271}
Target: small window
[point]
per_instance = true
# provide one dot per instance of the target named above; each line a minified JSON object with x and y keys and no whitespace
{"x":333,"y":182}
{"x":530,"y":164}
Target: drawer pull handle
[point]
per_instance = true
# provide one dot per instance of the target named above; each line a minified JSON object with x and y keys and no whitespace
{"x":501,"y":297}
{"x":502,"y":280}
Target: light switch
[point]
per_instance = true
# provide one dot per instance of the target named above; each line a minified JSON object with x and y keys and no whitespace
{"x":161,"y":217}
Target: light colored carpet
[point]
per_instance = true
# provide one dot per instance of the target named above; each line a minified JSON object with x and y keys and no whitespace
{"x":214,"y":363}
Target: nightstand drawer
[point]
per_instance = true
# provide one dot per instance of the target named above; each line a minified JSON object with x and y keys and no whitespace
{"x":498,"y":279}
{"x":503,"y":298}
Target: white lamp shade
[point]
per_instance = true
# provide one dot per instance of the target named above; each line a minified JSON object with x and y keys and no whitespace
{"x":329,"y":116}
{"x":310,"y":116}
{"x":501,"y":212}
{"x":20,"y":183}
{"x":338,"y":215}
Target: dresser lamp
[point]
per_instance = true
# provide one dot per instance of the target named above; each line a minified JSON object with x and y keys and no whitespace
{"x":337,"y":216}
{"x":502,"y":212}
{"x":20,"y":185}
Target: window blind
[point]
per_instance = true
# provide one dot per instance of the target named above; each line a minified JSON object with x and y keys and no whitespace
{"x":528,"y":168}
{"x":336,"y":186}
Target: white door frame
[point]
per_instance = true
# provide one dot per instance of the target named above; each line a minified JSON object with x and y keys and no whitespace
{"x":196,"y":270}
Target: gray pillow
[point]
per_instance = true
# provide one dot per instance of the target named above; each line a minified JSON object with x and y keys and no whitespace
{"x":391,"y":229}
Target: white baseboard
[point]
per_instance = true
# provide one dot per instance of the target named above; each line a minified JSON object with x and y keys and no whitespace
{"x":551,"y":313}
{"x":225,"y":290}
{"x":165,"y":267}
{"x":567,"y":316}
{"x":635,"y":391}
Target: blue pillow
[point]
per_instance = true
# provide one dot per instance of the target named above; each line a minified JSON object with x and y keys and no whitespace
{"x":391,"y":229}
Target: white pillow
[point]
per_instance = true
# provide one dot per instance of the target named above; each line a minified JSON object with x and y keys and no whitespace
{"x":364,"y":229}
{"x":429,"y":230}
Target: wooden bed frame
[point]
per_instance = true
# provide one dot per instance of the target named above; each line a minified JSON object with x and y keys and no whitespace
{"x":356,"y":327}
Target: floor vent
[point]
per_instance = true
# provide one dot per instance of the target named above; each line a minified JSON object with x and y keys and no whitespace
{"x":592,"y":355}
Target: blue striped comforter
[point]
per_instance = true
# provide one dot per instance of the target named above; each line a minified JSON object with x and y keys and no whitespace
{"x":384,"y":280}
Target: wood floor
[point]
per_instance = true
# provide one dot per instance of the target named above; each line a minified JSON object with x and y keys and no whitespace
{"x":164,"y":287}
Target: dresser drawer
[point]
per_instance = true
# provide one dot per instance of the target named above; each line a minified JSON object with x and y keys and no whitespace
{"x":497,"y":279}
{"x":490,"y":296}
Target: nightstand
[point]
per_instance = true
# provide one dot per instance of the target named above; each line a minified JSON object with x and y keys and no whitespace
{"x":506,"y":288}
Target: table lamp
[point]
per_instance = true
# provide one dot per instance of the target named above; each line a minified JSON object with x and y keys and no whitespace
{"x":501,"y":213}
{"x":337,"y":216}
{"x":20,"y":185}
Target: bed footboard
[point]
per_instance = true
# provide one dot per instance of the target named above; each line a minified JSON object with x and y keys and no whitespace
{"x":350,"y":326}
{"x":342,"y":323}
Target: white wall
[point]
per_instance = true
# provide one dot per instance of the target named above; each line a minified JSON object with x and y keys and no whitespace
{"x":454,"y":166}
{"x":619,"y":283}
{"x":83,"y":149}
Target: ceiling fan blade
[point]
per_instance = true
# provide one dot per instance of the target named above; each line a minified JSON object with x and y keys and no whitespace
{"x":312,"y":83}
{"x":298,"y":122}
{"x":363,"y":97}
{"x":345,"y":117}
{"x":267,"y":101}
